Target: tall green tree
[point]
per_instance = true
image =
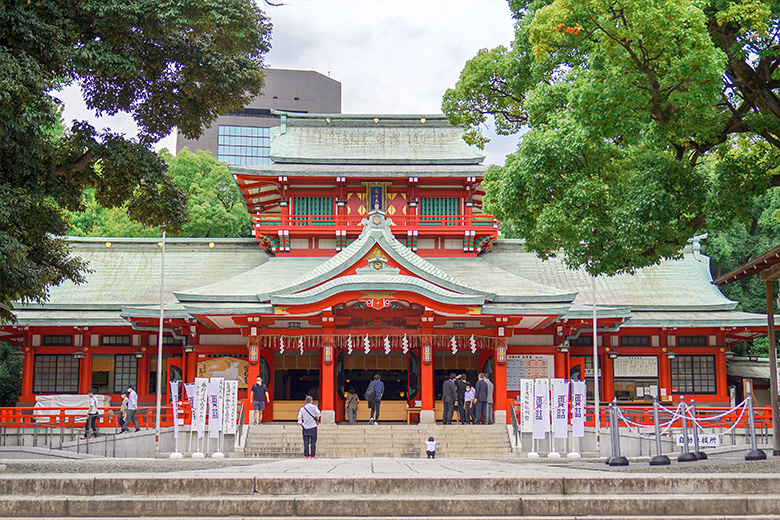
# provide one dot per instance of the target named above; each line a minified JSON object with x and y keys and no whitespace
{"x":648,"y":120}
{"x":168,"y":63}
{"x":214,"y":204}
{"x":10,"y":375}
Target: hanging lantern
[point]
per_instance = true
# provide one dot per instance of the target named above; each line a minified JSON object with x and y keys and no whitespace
{"x":501,"y":354}
{"x":328,"y":354}
{"x":387,"y":345}
{"x":426,"y":354}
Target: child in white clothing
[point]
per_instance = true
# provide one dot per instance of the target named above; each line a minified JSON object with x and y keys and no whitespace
{"x":430,"y":448}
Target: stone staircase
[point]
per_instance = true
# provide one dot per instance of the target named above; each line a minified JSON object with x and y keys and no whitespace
{"x":274,"y":440}
{"x":273,"y":496}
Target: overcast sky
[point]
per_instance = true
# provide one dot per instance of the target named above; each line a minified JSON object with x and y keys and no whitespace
{"x":391,"y":56}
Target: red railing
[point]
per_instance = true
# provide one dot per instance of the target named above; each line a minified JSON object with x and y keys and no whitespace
{"x":75,"y":417}
{"x":644,"y":415}
{"x":400,"y":221}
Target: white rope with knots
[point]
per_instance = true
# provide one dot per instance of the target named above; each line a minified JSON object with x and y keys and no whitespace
{"x":664,"y":426}
{"x":743,"y":405}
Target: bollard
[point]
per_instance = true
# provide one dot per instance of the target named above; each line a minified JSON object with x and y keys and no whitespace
{"x":616,"y":459}
{"x":659,"y":459}
{"x":700,"y":455}
{"x":685,"y":456}
{"x":754,"y":453}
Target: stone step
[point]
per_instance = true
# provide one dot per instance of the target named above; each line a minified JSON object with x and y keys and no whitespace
{"x":150,"y":485}
{"x":347,"y":505}
{"x":392,"y":440}
{"x":534,"y":517}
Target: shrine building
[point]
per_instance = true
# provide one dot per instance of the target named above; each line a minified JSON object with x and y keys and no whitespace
{"x":372,"y":255}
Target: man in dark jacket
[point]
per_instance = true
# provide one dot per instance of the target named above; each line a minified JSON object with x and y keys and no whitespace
{"x":449,"y":394}
{"x":460,"y":383}
{"x":481,"y":394}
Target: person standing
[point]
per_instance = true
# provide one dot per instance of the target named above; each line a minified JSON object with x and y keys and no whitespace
{"x":92,"y":417}
{"x":470,"y":401}
{"x":260,"y":396}
{"x":449,"y":394}
{"x":308,"y":416}
{"x":490,"y":388}
{"x":352,"y":406}
{"x":460,"y":382}
{"x":379,"y":389}
{"x":132,"y":408}
{"x":481,"y":394}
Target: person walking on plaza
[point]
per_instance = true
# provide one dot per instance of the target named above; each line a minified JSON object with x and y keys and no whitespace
{"x":460,"y":382}
{"x":260,"y":396}
{"x":92,"y":417}
{"x":469,"y":405}
{"x":308,"y":417}
{"x":132,"y":408}
{"x":379,"y":389}
{"x":120,"y":420}
{"x":449,"y":394}
{"x":489,"y":406}
{"x":481,"y":395}
{"x":352,"y":406}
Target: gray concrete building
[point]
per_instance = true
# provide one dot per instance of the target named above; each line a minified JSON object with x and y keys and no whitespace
{"x":243,"y":137}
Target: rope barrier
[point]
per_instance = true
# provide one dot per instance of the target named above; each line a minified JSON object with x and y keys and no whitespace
{"x":686,"y":414}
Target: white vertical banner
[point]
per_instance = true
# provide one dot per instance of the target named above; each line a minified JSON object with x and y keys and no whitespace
{"x":189,"y":389}
{"x":561,"y":409}
{"x":220,"y":399}
{"x":231,"y":403}
{"x":175,"y":407}
{"x":214,"y":415}
{"x":578,"y":389}
{"x":541,"y":408}
{"x":526,"y":405}
{"x":202,"y":399}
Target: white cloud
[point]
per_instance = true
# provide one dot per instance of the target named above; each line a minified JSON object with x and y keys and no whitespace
{"x":391,"y":56}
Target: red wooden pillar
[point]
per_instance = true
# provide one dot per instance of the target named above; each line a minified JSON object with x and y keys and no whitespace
{"x":608,"y":379}
{"x":143,"y":376}
{"x":253,"y":370}
{"x":720,"y":375}
{"x":499,"y":382}
{"x":664,"y":378}
{"x":191,"y":365}
{"x":27,"y":372}
{"x":561,"y":371}
{"x":85,"y":373}
{"x":327,"y":381}
{"x":427,"y":413}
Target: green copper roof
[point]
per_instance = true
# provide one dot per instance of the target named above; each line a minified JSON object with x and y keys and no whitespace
{"x":370,"y":139}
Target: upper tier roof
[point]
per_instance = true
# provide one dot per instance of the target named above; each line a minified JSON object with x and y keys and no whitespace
{"x":370,"y":139}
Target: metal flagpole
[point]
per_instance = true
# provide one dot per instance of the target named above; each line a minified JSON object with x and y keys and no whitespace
{"x":160,"y":346}
{"x":596,"y":371}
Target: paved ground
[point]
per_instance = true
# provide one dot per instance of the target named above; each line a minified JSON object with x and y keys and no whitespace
{"x":373,"y":467}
